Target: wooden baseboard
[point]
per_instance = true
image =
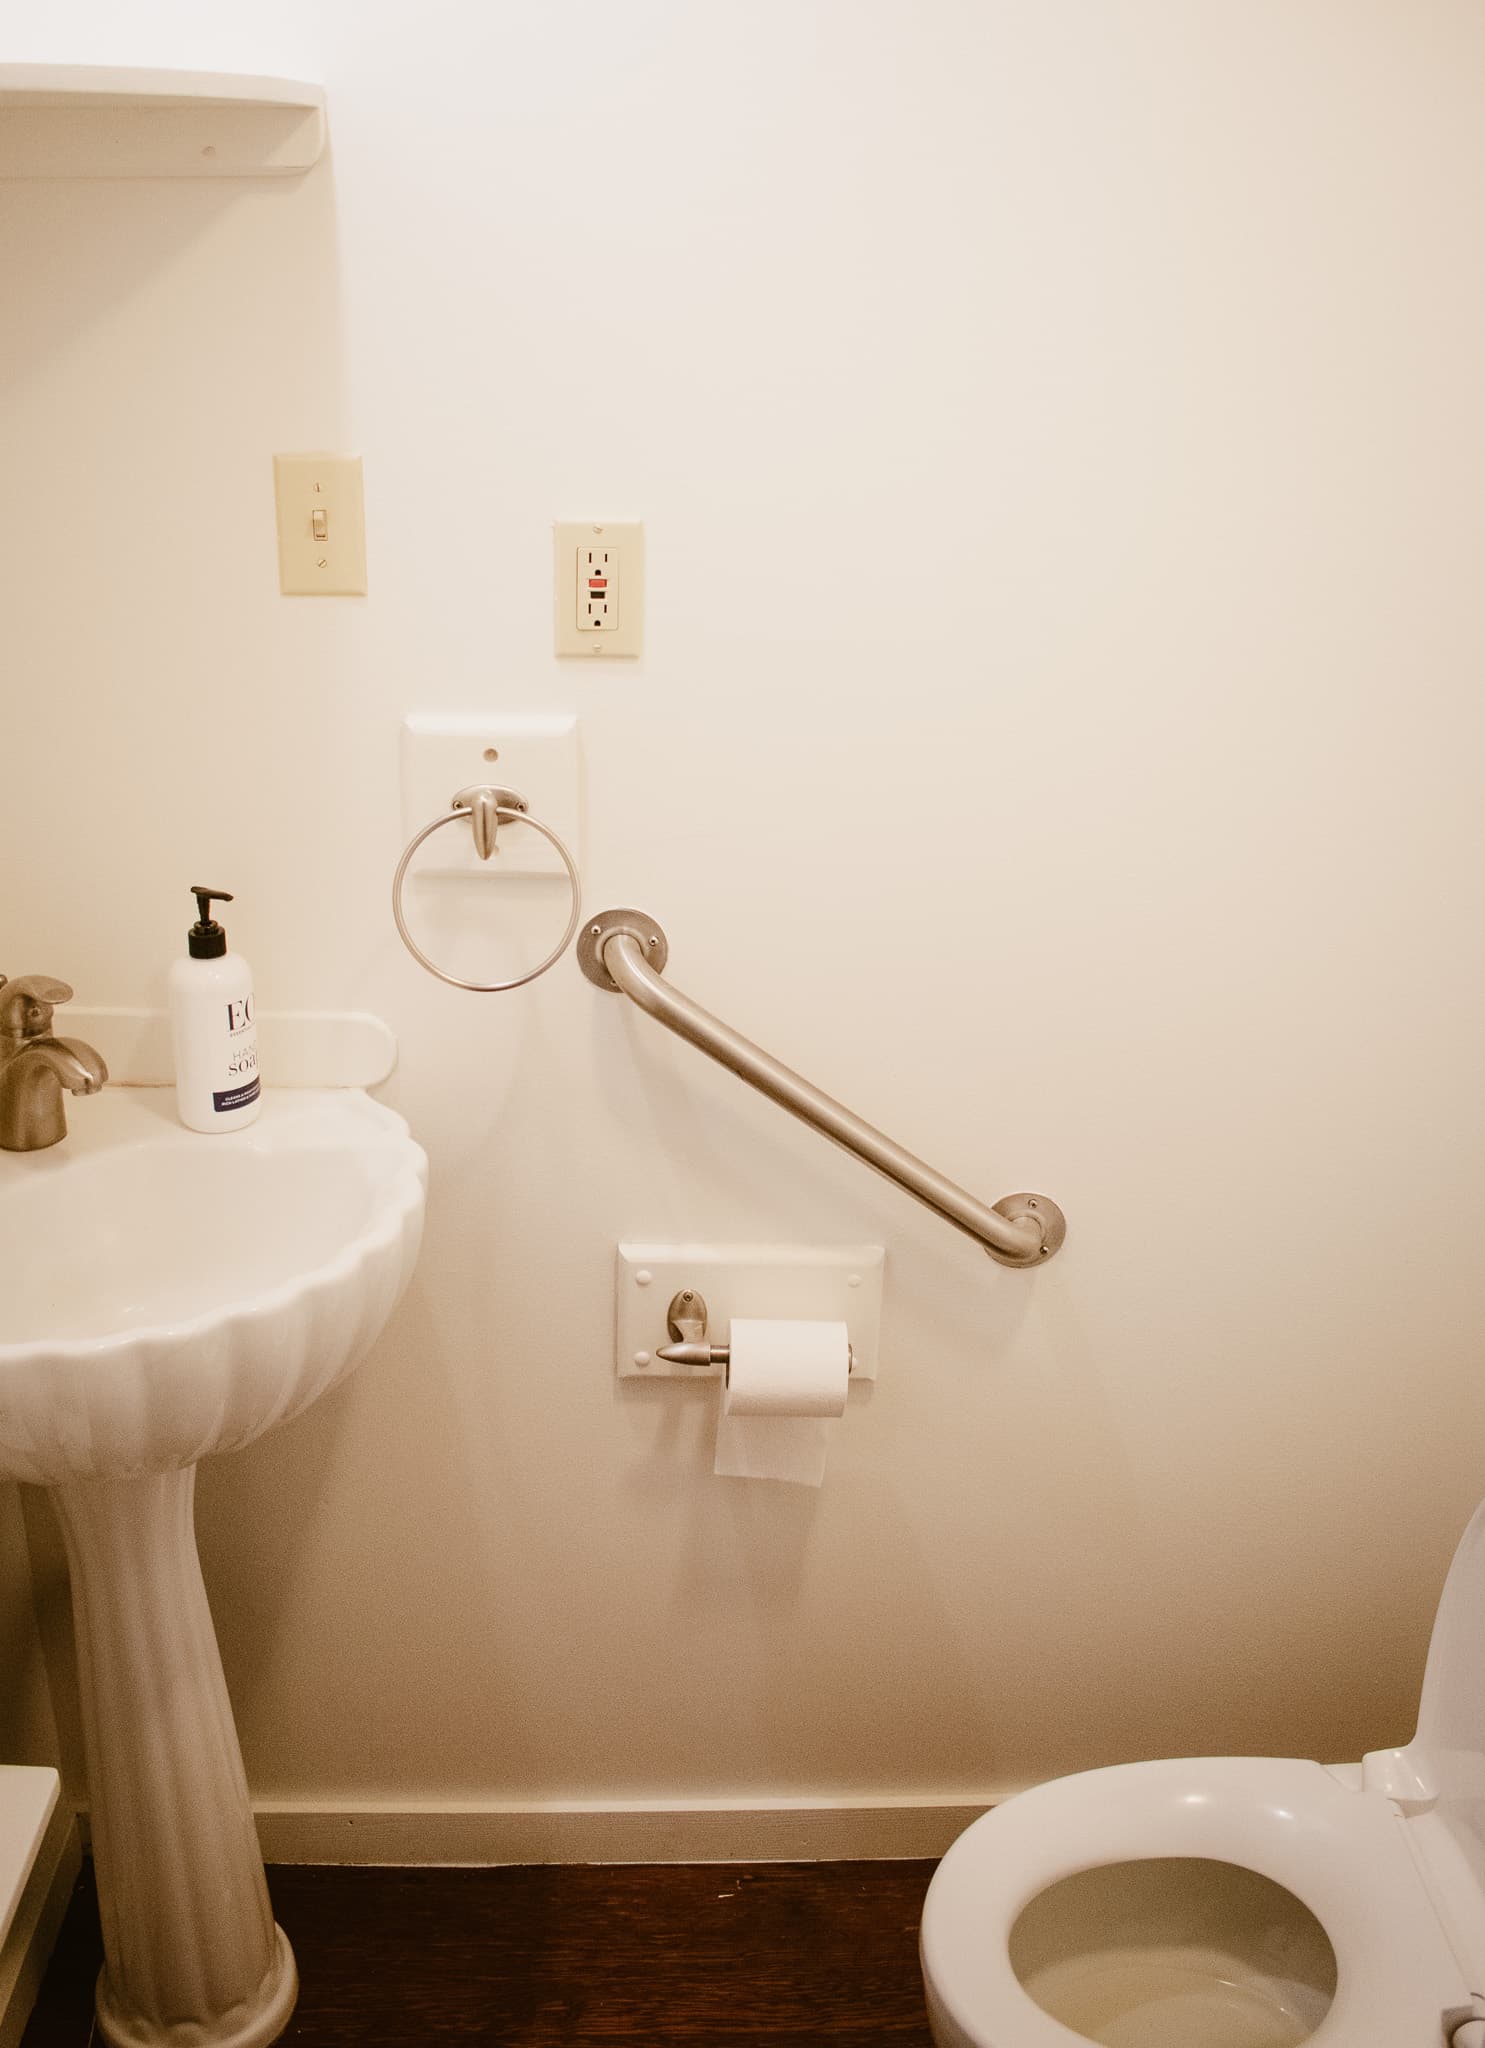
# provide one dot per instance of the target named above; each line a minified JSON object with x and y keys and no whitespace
{"x":767,"y":1831}
{"x":37,"y":1920}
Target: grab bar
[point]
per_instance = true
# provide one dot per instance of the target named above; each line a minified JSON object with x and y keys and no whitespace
{"x":626,"y":951}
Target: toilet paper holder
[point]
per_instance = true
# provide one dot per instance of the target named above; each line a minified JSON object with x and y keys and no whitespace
{"x":685,"y":1322}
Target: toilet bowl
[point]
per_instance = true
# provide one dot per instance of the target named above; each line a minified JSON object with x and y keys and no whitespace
{"x":1235,"y":1902}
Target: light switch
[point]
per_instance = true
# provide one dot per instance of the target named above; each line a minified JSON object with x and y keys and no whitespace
{"x":599,"y":580}
{"x":321,"y":525}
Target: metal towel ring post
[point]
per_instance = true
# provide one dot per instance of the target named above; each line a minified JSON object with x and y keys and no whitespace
{"x":485,"y":807}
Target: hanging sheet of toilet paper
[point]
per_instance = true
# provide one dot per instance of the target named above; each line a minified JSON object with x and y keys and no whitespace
{"x":786,"y":1383}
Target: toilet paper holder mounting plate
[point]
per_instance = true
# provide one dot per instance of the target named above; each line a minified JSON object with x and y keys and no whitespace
{"x":830,"y":1283}
{"x":685,"y":1320}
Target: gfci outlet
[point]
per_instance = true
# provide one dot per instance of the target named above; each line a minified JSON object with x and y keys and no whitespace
{"x":599,"y":583}
{"x":598,"y":589}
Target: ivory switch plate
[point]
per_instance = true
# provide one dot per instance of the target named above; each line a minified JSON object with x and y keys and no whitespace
{"x":321,"y":525}
{"x":599,"y":579}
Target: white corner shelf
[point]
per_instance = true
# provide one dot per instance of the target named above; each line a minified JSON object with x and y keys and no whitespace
{"x":98,"y":121}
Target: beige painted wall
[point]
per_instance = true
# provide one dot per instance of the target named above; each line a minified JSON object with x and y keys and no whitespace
{"x":1080,"y":776}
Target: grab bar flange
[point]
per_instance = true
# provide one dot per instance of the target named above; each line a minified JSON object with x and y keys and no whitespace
{"x":1038,"y":1209}
{"x":597,"y":932}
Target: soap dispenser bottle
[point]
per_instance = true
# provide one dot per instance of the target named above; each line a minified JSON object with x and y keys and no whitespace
{"x":212,"y":1026}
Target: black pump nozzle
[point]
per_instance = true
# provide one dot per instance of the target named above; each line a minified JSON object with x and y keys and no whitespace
{"x":206,"y":939}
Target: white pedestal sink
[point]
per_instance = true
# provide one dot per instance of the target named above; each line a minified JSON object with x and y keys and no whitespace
{"x":167,"y":1297}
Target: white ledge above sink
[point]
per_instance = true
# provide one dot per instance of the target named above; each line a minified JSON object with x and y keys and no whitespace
{"x":107,"y":121}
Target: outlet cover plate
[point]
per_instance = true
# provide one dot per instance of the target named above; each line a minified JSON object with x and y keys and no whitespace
{"x":824,"y":1283}
{"x":536,"y":755}
{"x":627,"y":538}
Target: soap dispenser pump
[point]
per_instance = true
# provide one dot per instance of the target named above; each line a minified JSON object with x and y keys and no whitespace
{"x":212,"y":1027}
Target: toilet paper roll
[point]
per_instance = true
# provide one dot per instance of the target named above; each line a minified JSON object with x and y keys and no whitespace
{"x":785,"y":1381}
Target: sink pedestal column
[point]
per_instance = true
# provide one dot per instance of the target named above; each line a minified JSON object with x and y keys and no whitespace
{"x":191,"y":1952}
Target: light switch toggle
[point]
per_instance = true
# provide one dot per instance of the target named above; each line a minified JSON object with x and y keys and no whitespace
{"x":319,"y":524}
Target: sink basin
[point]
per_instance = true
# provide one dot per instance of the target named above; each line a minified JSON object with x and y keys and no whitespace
{"x":169,"y":1295}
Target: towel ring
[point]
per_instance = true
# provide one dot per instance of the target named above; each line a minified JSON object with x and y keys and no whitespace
{"x":485,"y":807}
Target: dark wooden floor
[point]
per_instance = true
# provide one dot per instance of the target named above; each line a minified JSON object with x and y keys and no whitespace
{"x":540,"y":1958}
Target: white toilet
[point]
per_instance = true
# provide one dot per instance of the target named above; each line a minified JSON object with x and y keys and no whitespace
{"x":1236,"y":1902}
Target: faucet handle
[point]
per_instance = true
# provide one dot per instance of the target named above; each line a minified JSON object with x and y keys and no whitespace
{"x":26,"y":1003}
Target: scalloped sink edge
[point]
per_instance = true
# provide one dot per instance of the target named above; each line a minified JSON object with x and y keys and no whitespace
{"x":174,"y":1295}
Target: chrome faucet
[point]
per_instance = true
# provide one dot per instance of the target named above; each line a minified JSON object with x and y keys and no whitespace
{"x":35,"y":1067}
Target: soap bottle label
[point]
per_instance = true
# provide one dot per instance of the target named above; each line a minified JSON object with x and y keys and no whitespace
{"x":242,"y":1057}
{"x":235,"y":1098}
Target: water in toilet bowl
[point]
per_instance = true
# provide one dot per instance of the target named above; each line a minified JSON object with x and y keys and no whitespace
{"x":1169,"y":1952}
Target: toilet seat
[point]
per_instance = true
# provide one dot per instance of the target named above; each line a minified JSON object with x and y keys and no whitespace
{"x":1343,"y":1853}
